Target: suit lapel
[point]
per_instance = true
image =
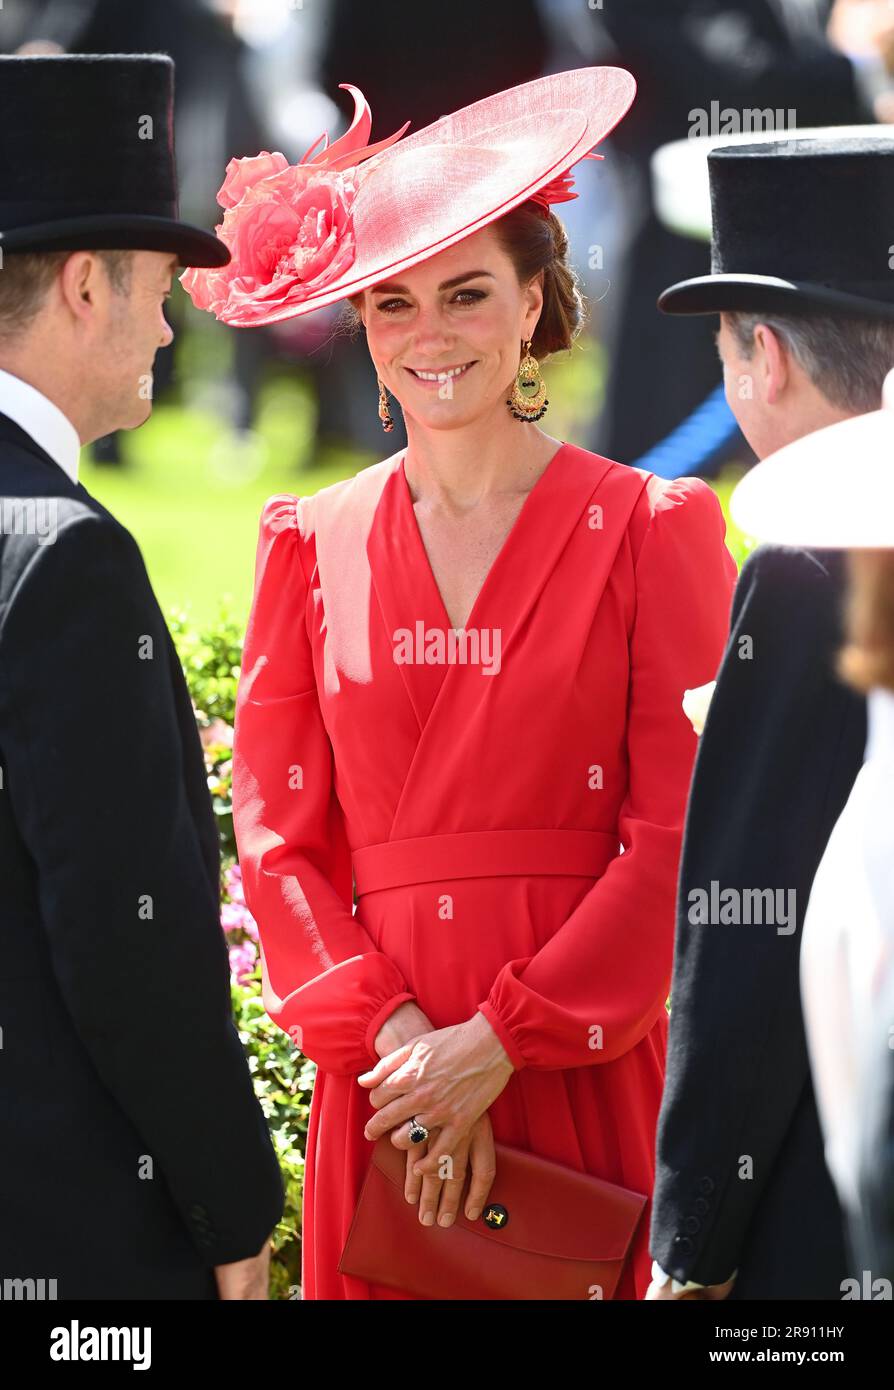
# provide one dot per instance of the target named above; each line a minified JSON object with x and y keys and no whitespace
{"x":57,"y":479}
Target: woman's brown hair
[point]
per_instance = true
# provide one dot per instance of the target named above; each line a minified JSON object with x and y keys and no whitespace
{"x":868,"y":658}
{"x":534,"y":243}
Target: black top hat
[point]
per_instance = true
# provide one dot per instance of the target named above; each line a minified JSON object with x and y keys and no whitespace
{"x":798,"y":225}
{"x":87,"y":157}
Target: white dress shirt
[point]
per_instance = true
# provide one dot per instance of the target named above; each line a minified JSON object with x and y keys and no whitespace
{"x":847,"y":949}
{"x":47,"y":425}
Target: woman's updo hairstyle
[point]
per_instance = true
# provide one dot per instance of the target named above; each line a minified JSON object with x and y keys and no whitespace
{"x":533,"y":243}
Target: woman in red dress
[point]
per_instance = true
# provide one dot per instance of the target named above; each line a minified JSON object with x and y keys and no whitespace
{"x":461,"y":701}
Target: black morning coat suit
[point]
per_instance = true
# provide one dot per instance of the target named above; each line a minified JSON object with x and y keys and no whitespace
{"x":783,"y":743}
{"x":134,"y":1156}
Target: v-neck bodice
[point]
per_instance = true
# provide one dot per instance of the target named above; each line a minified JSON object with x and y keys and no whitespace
{"x":504,"y":549}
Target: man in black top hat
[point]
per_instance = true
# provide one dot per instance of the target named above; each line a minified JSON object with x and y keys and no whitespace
{"x":754,"y":60}
{"x":135,"y":1161}
{"x":801,"y":280}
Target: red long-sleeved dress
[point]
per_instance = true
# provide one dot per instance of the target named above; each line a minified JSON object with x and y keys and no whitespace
{"x":478,"y":796}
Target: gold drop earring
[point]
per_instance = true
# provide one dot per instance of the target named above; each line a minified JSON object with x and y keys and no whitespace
{"x":384,"y":412}
{"x":528,"y":400}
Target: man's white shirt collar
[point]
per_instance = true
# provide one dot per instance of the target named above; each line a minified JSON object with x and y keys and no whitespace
{"x":47,"y":425}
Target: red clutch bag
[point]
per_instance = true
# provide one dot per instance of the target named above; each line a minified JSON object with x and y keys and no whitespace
{"x":546,"y":1232}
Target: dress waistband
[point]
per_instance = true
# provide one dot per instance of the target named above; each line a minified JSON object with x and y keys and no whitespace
{"x":483,"y":854}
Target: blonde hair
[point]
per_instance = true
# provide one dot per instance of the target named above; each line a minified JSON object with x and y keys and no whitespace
{"x":867,"y":660}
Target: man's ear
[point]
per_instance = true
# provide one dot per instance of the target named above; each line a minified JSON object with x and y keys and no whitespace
{"x":79,"y":279}
{"x":776,"y":363}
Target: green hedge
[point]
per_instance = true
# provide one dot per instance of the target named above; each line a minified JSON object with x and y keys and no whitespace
{"x":282,"y":1077}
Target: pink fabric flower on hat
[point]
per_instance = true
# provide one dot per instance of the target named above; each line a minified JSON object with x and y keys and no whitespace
{"x":289,"y":235}
{"x":289,"y":228}
{"x":243,"y":174}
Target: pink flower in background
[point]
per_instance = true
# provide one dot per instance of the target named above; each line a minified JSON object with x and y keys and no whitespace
{"x":231,"y":916}
{"x":243,"y":959}
{"x":218,"y":731}
{"x":234,"y":915}
{"x":233,"y":881}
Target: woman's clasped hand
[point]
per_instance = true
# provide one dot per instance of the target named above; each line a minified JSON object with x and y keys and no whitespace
{"x":445,"y":1079}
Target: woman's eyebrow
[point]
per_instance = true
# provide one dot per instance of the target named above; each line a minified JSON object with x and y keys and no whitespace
{"x":393,"y":288}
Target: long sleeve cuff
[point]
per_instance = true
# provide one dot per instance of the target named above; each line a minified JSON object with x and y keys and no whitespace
{"x":503,"y":1033}
{"x":333,"y":1018}
{"x":379,"y":1017}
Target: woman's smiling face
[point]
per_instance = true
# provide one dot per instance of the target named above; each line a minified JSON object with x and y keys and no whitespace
{"x":445,"y":336}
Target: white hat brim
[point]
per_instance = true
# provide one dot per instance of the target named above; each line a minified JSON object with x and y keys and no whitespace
{"x":831,"y":490}
{"x":681,"y":184}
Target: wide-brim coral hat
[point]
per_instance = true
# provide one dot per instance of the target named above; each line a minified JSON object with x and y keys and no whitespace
{"x":830,"y":490}
{"x":303,"y":236}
